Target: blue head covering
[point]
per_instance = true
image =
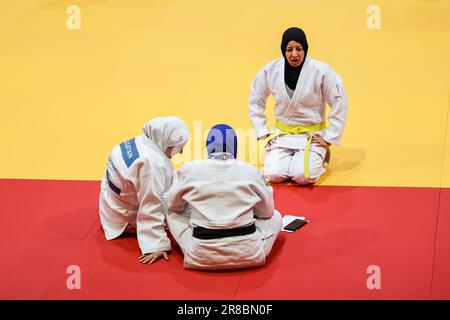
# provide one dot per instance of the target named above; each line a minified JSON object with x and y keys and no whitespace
{"x":221,"y":138}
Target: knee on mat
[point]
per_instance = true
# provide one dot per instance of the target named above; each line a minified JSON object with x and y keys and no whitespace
{"x":278,"y":219}
{"x":301,"y":178}
{"x":303,"y":181}
{"x":275,"y":176}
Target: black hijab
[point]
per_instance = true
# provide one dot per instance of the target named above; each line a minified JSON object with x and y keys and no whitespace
{"x":291,"y":73}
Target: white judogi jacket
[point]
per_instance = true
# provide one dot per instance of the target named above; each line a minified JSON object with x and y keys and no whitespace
{"x":138,"y":174}
{"x":317,"y":85}
{"x":222,"y":194}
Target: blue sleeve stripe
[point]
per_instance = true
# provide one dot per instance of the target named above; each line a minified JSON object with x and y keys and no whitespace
{"x":129,"y":152}
{"x":112,"y":185}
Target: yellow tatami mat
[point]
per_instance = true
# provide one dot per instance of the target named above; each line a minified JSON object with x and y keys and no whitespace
{"x":68,"y":96}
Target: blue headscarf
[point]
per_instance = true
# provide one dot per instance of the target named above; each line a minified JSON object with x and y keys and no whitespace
{"x":221,"y":138}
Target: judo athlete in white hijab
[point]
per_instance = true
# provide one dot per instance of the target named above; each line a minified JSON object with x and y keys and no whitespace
{"x":139,"y":172}
{"x":221,"y":210}
{"x":298,"y":145}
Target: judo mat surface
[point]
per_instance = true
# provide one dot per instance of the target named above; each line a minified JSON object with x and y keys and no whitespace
{"x":69,"y":94}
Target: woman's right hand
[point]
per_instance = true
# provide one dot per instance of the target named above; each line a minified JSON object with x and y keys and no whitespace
{"x":270,"y":143}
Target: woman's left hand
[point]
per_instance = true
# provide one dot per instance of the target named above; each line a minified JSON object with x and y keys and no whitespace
{"x":152,"y":257}
{"x":317,"y":139}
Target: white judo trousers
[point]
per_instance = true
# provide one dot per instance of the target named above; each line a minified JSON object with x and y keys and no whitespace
{"x":222,"y":194}
{"x":138,"y":174}
{"x":317,"y":86}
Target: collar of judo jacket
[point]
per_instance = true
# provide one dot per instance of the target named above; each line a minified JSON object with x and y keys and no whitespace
{"x":221,"y":156}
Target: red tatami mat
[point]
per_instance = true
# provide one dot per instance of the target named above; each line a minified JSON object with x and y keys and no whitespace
{"x":43,"y":224}
{"x":48,"y":209}
{"x":351,"y":228}
{"x":111,"y":270}
{"x":54,"y":224}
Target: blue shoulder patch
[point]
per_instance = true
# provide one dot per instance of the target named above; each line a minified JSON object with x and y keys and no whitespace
{"x":129,"y":152}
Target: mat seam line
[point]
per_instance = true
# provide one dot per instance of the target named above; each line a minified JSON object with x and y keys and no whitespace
{"x":439,"y":199}
{"x":211,"y":57}
{"x":69,"y":258}
{"x":77,"y":74}
{"x":238,"y":285}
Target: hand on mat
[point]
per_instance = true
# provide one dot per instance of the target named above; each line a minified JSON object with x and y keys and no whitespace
{"x":152,"y":257}
{"x":317,"y":139}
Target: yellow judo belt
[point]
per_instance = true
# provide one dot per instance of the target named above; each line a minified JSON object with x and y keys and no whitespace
{"x":287,"y":129}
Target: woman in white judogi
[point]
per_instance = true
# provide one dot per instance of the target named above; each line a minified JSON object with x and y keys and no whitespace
{"x":138,"y":173}
{"x":221,"y":210}
{"x":298,"y":146}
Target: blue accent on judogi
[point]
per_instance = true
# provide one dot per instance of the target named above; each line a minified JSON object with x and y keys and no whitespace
{"x":113,"y":187}
{"x":129,"y":152}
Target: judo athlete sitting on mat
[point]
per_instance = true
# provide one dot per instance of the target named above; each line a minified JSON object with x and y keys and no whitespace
{"x":221,"y":210}
{"x":298,"y":146}
{"x":139,"y":172}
